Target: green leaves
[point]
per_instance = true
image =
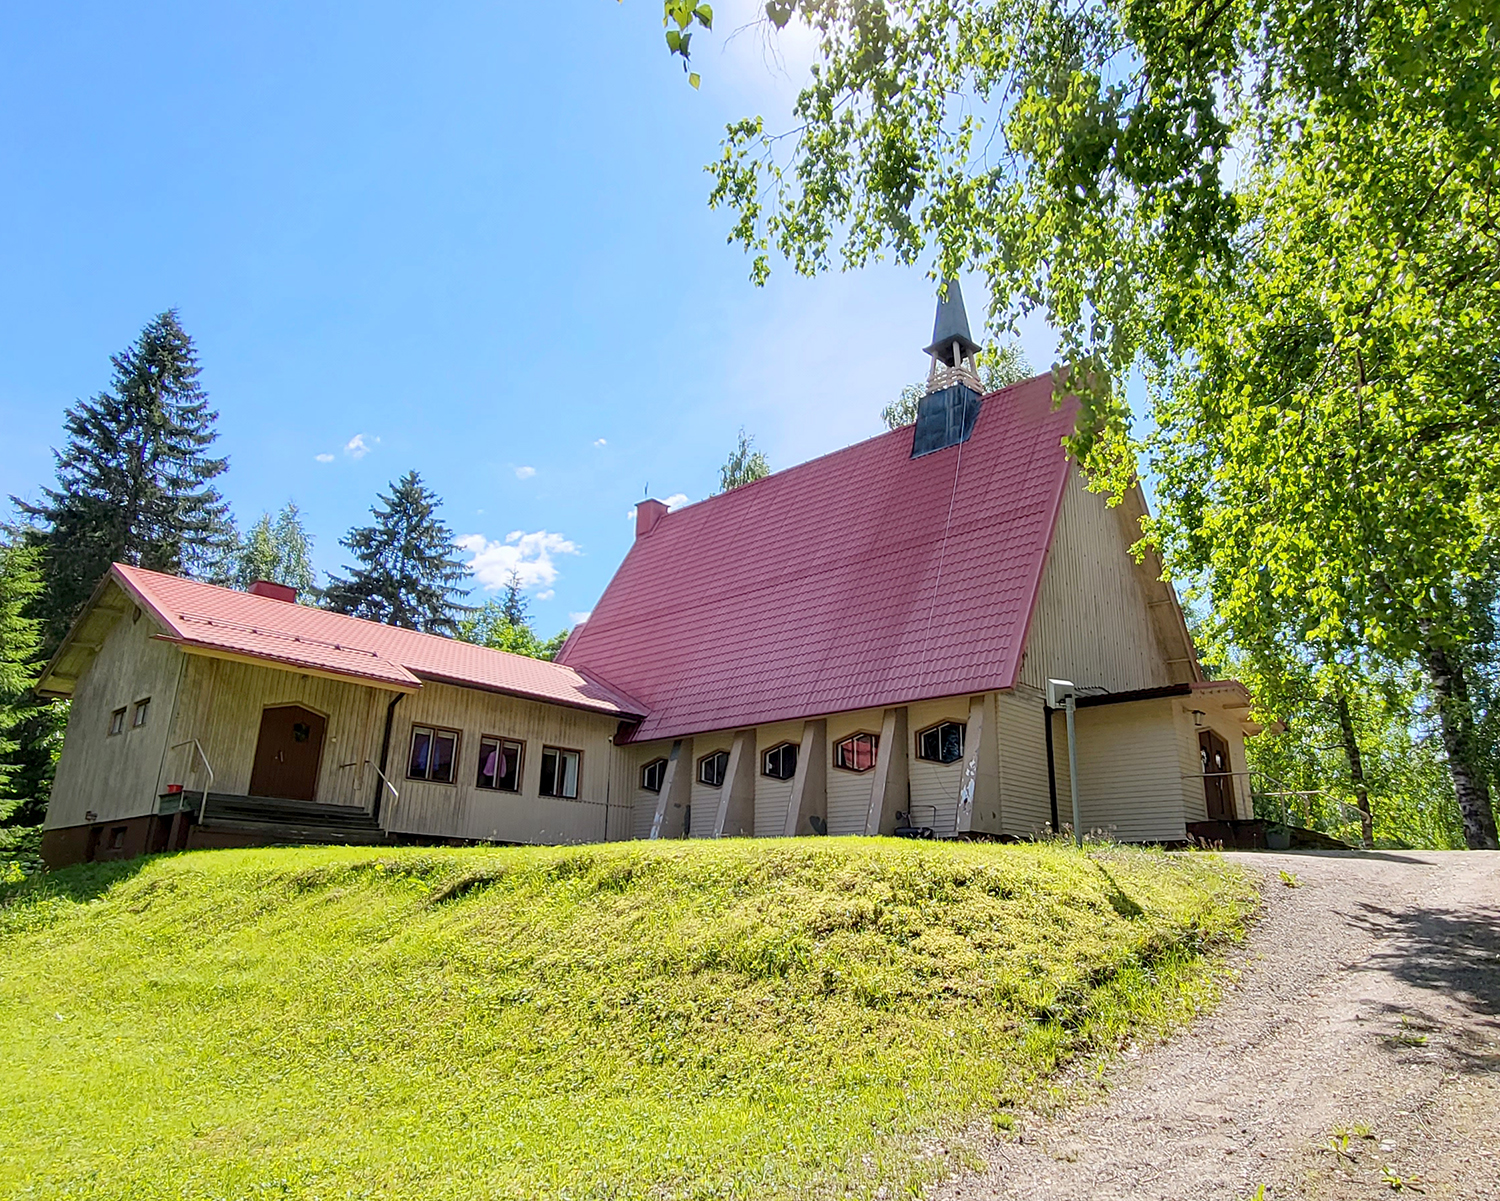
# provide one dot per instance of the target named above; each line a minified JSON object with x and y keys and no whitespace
{"x":677,"y":17}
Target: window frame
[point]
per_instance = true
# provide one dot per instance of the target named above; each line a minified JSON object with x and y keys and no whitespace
{"x":433,"y":732}
{"x":765,"y":760}
{"x":855,"y":736}
{"x":660,"y":762}
{"x":140,"y":713}
{"x":963,"y":739}
{"x":578,"y":776}
{"x":117,"y":722}
{"x":711,"y":757}
{"x":520,"y":745}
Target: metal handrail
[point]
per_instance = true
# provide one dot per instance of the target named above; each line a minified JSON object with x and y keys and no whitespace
{"x":208,"y":767}
{"x":395,"y":796}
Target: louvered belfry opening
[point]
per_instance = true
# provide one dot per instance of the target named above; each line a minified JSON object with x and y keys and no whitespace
{"x":947,"y":413}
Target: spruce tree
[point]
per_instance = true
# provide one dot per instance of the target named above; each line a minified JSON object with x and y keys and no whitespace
{"x":407,"y":565}
{"x":30,"y":730}
{"x":134,"y":480}
{"x":279,"y":550}
{"x":514,"y":605}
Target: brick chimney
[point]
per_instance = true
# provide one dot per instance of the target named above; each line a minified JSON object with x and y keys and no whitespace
{"x":270,"y":591}
{"x":647,"y":514}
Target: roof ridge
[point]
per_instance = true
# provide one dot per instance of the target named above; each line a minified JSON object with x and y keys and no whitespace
{"x":830,"y":454}
{"x":362,"y":621}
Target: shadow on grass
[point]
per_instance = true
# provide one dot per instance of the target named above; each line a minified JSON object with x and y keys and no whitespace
{"x":1454,"y":954}
{"x":80,"y":884}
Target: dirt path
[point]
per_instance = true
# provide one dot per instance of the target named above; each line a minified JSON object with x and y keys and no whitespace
{"x":1368,"y":1006}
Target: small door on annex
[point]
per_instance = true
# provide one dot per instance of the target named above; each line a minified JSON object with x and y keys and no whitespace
{"x":1218,"y":784}
{"x":288,"y":753}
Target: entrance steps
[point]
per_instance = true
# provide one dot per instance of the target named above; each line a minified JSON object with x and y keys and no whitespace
{"x":280,"y":822}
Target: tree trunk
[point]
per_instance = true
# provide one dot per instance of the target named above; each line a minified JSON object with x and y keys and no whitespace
{"x":1469,"y":784}
{"x":1356,"y":771}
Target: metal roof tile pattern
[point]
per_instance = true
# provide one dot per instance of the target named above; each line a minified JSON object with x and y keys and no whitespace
{"x":861,"y":579}
{"x":299,"y":636}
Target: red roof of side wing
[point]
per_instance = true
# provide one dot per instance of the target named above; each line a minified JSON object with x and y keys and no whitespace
{"x":221,"y":620}
{"x":861,"y":579}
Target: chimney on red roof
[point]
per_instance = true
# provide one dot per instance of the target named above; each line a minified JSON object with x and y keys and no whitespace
{"x":273,"y":591}
{"x":647,"y":514}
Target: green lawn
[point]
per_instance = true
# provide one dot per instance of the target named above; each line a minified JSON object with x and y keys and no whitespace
{"x":662,"y":1020}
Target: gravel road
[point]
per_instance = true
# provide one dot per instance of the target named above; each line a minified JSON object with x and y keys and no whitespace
{"x":1357,"y":1055}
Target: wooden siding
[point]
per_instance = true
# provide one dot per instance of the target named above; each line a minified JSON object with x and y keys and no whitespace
{"x":934,"y":786}
{"x":705,"y":800}
{"x":221,"y":706}
{"x":772,"y":796}
{"x":1227,"y":727}
{"x":1025,"y":799}
{"x":116,"y":776}
{"x":1129,"y":771}
{"x":462,"y":810}
{"x":849,"y":791}
{"x":1092,"y":623}
{"x":642,"y":803}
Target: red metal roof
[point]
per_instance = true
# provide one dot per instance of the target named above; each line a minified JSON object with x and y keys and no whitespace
{"x":860,"y":579}
{"x":298,"y":636}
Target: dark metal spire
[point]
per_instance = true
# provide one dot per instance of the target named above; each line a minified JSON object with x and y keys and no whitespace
{"x":952,"y":326}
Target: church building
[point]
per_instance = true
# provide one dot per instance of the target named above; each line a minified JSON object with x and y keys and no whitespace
{"x":861,"y":644}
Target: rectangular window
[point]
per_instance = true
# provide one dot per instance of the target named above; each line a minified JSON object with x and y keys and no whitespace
{"x":434,"y":755}
{"x":117,"y":722}
{"x":142,"y":708}
{"x":560,"y":772}
{"x":499,"y":765}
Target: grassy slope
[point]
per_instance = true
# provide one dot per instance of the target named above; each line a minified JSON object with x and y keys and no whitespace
{"x":681,"y":1019}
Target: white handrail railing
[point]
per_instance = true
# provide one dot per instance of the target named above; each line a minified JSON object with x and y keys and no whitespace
{"x":208,"y":767}
{"x":395,"y":796}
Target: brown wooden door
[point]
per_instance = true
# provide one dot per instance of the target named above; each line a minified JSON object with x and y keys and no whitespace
{"x":1218,"y":785}
{"x":288,"y":754}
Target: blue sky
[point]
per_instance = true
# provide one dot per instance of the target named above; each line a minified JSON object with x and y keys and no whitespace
{"x":470,"y":239}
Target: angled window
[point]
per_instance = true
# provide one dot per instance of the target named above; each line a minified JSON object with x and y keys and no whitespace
{"x":560,"y":772}
{"x":857,"y":752}
{"x":434,"y":754}
{"x":942,"y":743}
{"x":499,"y":764}
{"x":117,"y":722}
{"x":653,"y":774}
{"x":711,"y":768}
{"x":142,"y":710}
{"x":780,"y":762}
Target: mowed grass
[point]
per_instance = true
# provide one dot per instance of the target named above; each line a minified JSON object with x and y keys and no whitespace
{"x":688,"y":1019}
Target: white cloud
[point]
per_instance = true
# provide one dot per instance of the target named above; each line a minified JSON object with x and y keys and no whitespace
{"x":525,"y":473}
{"x":323,"y":458}
{"x":528,"y":555}
{"x":601,"y":442}
{"x":579,"y":618}
{"x":357,"y":447}
{"x":547,"y":595}
{"x":675,"y":501}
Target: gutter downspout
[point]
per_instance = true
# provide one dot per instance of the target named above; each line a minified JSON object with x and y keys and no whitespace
{"x":385,"y":753}
{"x":1047,"y":713}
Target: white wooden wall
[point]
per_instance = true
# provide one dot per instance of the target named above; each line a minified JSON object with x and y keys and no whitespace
{"x":1130,"y":771}
{"x":461,"y":810}
{"x":1092,"y":624}
{"x":221,"y":707}
{"x":1025,"y":799}
{"x":116,"y":776}
{"x":772,"y":796}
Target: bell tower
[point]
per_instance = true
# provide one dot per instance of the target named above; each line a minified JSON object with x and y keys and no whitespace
{"x":946,"y":414}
